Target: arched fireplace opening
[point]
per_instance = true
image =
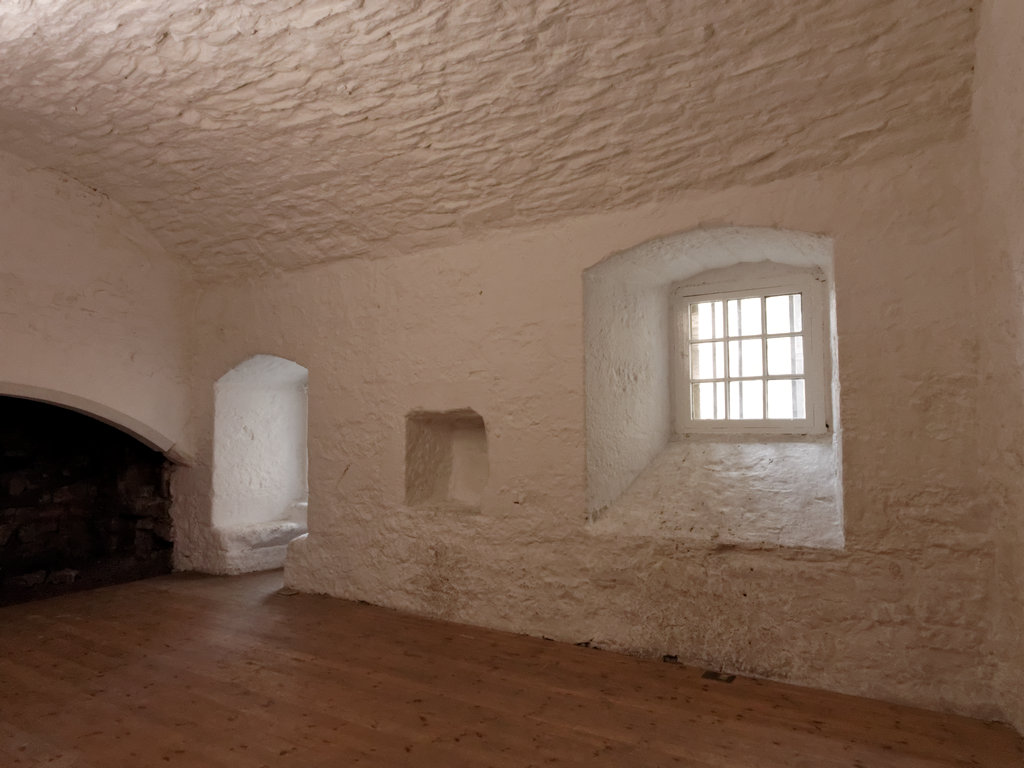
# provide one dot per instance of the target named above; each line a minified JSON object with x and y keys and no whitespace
{"x":82,"y":504}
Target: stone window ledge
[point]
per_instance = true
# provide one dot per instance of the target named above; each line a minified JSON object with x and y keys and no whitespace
{"x":778,"y":493}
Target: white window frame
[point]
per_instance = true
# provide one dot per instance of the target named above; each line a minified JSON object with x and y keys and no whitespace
{"x":814,"y":309}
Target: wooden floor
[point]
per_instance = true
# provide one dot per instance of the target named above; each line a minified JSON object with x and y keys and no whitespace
{"x":206,"y":672}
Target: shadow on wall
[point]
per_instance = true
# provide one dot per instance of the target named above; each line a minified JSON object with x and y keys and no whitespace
{"x":446,"y":464}
{"x":260,"y":489}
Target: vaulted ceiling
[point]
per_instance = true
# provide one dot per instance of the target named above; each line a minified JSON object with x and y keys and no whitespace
{"x":264,"y":134}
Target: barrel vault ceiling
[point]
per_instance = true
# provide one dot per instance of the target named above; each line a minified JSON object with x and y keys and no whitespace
{"x":272,"y":134}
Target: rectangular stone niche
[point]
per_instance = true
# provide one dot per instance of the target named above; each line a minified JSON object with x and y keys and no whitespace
{"x":446,"y":465}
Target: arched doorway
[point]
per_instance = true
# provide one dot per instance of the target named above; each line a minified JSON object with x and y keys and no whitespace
{"x":259,"y":461}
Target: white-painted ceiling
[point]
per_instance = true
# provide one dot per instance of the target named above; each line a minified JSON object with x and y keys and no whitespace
{"x":269,"y":134}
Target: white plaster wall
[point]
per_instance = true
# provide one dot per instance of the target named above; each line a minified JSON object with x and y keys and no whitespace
{"x":628,"y":397}
{"x":259,"y":490}
{"x":470,"y":468}
{"x":259,"y":442}
{"x":92,"y":311}
{"x":497,"y":326}
{"x":627,"y":341}
{"x":729,"y":492}
{"x":999,"y":137}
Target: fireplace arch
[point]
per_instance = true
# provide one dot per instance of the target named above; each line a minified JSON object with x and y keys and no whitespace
{"x":83,"y":503}
{"x":144,"y":433}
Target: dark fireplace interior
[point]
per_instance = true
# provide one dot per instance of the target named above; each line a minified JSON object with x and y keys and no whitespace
{"x":82,"y":504}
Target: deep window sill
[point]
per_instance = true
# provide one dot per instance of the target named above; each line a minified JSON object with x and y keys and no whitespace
{"x":778,"y":490}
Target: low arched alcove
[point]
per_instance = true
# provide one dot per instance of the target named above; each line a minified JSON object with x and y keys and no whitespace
{"x":82,"y":503}
{"x":657,"y":466}
{"x":260,"y":486}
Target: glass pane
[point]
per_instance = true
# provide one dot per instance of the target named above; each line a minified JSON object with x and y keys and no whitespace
{"x":786,"y":399}
{"x":709,"y":400}
{"x":778,"y":314}
{"x":783,"y":314}
{"x":707,"y":360}
{"x":745,"y":317}
{"x":785,"y":355}
{"x":746,"y":400}
{"x":746,"y":358}
{"x":706,"y":320}
{"x":750,"y":316}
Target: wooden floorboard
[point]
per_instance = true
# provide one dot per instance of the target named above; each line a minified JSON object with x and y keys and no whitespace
{"x":225,"y":671}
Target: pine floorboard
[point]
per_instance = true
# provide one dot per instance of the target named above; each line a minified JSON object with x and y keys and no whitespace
{"x":215,"y":672}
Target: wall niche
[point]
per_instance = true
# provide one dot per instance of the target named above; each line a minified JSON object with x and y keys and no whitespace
{"x":82,"y":504}
{"x":446,"y":464}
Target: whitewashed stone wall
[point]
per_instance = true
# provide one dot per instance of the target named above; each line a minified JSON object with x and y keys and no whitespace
{"x":92,"y":311}
{"x":495,"y":325}
{"x":259,"y":490}
{"x":998,"y":121}
{"x":260,"y":456}
{"x":642,"y":476}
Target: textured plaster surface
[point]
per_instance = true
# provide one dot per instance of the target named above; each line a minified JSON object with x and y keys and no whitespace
{"x":633,"y":471}
{"x":259,"y":461}
{"x":244,"y":548}
{"x":92,"y":311}
{"x":260,"y":458}
{"x":496,"y":325}
{"x":445,"y":459}
{"x":999,"y":136}
{"x":254,"y":137}
{"x":279,"y":133}
{"x":729,"y":493}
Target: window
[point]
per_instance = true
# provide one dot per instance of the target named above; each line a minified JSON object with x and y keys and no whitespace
{"x":652,"y":469}
{"x":750,"y":357}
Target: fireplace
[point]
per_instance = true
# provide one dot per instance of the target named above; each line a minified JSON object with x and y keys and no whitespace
{"x":82,"y":504}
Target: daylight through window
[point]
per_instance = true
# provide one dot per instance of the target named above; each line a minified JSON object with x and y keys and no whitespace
{"x":747,"y":358}
{"x":750,"y":359}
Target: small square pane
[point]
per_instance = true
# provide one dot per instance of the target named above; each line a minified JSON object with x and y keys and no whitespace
{"x":783,"y":314}
{"x":746,"y":358}
{"x":786,"y":399}
{"x":706,"y":320}
{"x":785,"y":356}
{"x":746,"y":399}
{"x":745,"y":317}
{"x":709,"y":400}
{"x":707,"y":360}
